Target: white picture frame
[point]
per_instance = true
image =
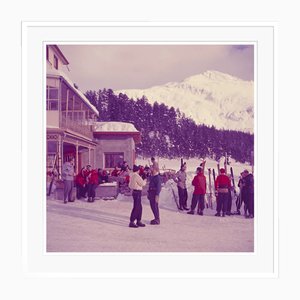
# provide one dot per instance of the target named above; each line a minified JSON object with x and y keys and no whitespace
{"x":260,"y":264}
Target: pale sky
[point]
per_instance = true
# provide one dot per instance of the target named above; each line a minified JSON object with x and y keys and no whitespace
{"x":94,"y":67}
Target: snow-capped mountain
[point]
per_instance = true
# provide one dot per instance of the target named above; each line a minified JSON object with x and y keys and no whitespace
{"x":211,"y":98}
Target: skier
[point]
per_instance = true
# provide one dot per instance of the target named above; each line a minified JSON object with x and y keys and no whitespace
{"x":136,"y":184}
{"x":199,"y":182}
{"x":248,"y":189}
{"x":180,"y":179}
{"x":68,"y":178}
{"x":153,"y":195}
{"x":222,"y":186}
{"x":92,"y":183}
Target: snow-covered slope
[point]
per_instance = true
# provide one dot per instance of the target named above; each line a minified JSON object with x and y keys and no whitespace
{"x":211,"y":98}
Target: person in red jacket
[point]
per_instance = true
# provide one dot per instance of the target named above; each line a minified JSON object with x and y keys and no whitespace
{"x":115,"y":172}
{"x":222,"y":186}
{"x":81,"y":183}
{"x":92,"y":183}
{"x":199,"y":182}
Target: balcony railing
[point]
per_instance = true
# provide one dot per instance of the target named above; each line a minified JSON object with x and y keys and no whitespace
{"x":81,"y":127}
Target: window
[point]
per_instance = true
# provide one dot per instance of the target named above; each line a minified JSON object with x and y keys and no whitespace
{"x":113,"y":159}
{"x":55,"y":62}
{"x":52,"y":98}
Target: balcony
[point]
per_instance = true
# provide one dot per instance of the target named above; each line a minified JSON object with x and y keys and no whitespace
{"x":78,"y":126}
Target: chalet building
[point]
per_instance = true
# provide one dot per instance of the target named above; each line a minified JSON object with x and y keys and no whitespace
{"x":115,"y":143}
{"x":72,"y":127}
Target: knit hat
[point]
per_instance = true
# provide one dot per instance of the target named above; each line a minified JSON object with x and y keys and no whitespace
{"x":222,"y":170}
{"x":135,"y":168}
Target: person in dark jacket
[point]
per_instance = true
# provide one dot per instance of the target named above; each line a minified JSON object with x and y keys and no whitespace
{"x":102,"y":176}
{"x":248,"y":192}
{"x":222,"y":186}
{"x":153,"y":195}
{"x":199,"y":182}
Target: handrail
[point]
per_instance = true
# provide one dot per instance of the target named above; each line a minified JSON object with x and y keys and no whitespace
{"x":78,"y":126}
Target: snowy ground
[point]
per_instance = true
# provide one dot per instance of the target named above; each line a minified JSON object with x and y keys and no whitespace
{"x":102,"y":226}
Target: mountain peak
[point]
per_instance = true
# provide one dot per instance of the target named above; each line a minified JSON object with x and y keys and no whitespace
{"x":211,"y":98}
{"x":212,"y":76}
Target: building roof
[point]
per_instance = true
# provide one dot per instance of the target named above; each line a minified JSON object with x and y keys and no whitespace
{"x":60,"y":54}
{"x":109,"y":129}
{"x":114,"y":127}
{"x":59,"y":73}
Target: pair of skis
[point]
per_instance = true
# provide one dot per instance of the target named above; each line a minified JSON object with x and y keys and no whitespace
{"x":235,"y":197}
{"x":175,"y":197}
{"x":53,"y":174}
{"x":210,"y":204}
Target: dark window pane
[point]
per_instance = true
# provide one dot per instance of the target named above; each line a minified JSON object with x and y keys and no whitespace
{"x":53,"y":94}
{"x":52,"y":146}
{"x":53,"y":105}
{"x":55,"y":62}
{"x":113,"y":159}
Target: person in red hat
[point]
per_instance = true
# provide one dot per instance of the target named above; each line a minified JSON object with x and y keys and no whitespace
{"x":199,"y":182}
{"x":222,"y":186}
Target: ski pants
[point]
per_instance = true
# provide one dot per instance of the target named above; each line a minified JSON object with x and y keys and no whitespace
{"x":183,"y":195}
{"x":153,"y":204}
{"x":68,"y":189}
{"x":222,"y":202}
{"x":81,"y":191}
{"x":136,"y":213}
{"x":92,"y":190}
{"x":198,"y":199}
{"x":250,"y":203}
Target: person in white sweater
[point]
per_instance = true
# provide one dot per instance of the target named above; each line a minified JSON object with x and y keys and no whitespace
{"x":136,"y":184}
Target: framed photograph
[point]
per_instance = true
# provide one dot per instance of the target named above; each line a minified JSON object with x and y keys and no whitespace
{"x":150,"y":143}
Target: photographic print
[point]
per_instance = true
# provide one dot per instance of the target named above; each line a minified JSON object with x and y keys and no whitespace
{"x":150,"y":147}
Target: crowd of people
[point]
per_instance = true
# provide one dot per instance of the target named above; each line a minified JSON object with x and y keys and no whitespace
{"x":88,"y":179}
{"x":223,"y":192}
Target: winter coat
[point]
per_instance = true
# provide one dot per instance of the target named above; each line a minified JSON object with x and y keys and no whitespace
{"x":248,"y":184}
{"x":155,"y":184}
{"x":93,"y":177}
{"x":136,"y":182}
{"x":80,"y":180}
{"x":199,"y":182}
{"x":115,"y":172}
{"x":222,"y":183}
{"x":181,"y":179}
{"x":68,"y":171}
